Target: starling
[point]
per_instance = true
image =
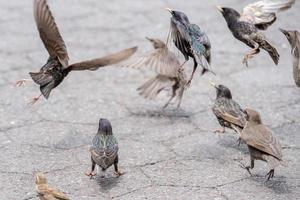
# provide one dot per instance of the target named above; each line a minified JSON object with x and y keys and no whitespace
{"x":293,"y":38}
{"x":166,"y":65}
{"x":228,"y":112}
{"x":255,"y":17}
{"x":57,"y":67}
{"x":262,"y":144}
{"x":191,"y":41}
{"x":46,"y":192}
{"x":104,"y":149}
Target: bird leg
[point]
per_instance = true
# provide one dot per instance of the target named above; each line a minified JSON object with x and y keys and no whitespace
{"x":91,"y":174}
{"x":250,"y":55}
{"x":181,"y":66}
{"x":270,"y":174}
{"x":117,"y":172}
{"x":173,"y":95}
{"x":194,"y":70}
{"x":247,"y":167}
{"x":34,"y":100}
{"x":22,"y":82}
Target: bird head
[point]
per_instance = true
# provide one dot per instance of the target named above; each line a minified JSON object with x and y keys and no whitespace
{"x":252,"y":116}
{"x":157,"y":43}
{"x":179,"y":16}
{"x":229,"y":13}
{"x":222,"y":91}
{"x":40,"y":178}
{"x":105,"y":127}
{"x":292,"y":36}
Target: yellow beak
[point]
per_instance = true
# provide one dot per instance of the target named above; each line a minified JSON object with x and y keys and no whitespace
{"x":220,"y":8}
{"x":169,"y":9}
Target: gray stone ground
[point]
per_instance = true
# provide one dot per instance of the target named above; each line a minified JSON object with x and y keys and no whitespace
{"x":166,"y":154}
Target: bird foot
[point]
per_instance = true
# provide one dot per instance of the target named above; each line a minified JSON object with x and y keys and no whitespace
{"x":22,"y":82}
{"x":270,"y":174}
{"x":242,"y":165}
{"x":34,"y":100}
{"x":91,"y":174}
{"x":119,"y":173}
{"x":239,"y":141}
{"x":219,"y":130}
{"x":188,"y":84}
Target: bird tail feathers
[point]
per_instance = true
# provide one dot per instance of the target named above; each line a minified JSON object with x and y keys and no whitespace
{"x":271,"y":50}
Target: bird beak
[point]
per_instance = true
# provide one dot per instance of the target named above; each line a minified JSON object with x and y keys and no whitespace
{"x":213,"y":84}
{"x":283,"y":31}
{"x":169,"y":9}
{"x":220,"y":9}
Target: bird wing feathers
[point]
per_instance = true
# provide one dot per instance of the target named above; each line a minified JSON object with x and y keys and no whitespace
{"x":231,"y":112}
{"x":49,"y":32}
{"x":261,"y":138}
{"x":94,"y":64}
{"x":49,"y":192}
{"x":161,"y":60}
{"x":264,"y":12}
{"x":154,"y":86}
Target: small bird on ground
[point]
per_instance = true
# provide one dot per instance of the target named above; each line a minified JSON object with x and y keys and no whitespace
{"x":293,"y":38}
{"x":57,"y":67}
{"x":46,"y":192}
{"x":255,"y":17}
{"x":104,"y":149}
{"x":166,"y":65}
{"x":262,"y":144}
{"x":191,"y":41}
{"x":228,"y":112}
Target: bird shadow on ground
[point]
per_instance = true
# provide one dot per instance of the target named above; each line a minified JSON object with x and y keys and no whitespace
{"x":107,"y":182}
{"x":277,"y":184}
{"x":168,"y":113}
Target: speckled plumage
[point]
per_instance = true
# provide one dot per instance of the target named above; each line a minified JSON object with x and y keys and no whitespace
{"x":228,"y":112}
{"x":191,"y":41}
{"x":104,"y":148}
{"x":262,"y":144}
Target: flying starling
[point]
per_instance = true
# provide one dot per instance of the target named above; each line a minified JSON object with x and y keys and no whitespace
{"x":228,"y":112}
{"x":293,"y":38}
{"x":191,"y":41}
{"x":57,"y":67}
{"x":104,"y":149}
{"x":262,"y":144}
{"x":255,"y":17}
{"x":169,"y":74}
{"x":46,"y":192}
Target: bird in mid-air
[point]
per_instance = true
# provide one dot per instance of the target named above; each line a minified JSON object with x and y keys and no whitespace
{"x":166,"y":65}
{"x":228,"y":112}
{"x":57,"y":67}
{"x":191,"y":41}
{"x":261,"y":142}
{"x":104,"y":149}
{"x":45,"y":191}
{"x":293,"y":38}
{"x":255,"y":17}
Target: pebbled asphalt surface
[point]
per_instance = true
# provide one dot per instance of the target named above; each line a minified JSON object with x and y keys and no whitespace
{"x":166,"y":154}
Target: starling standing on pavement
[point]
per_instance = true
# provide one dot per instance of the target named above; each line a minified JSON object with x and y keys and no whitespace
{"x":256,"y":16}
{"x":228,"y":112}
{"x":57,"y":67}
{"x":167,"y":67}
{"x":293,"y":38}
{"x":262,"y":144}
{"x":104,"y":149}
{"x":191,"y":41}
{"x":46,"y":192}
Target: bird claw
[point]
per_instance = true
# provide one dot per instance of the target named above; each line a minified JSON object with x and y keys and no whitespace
{"x":188,"y":84}
{"x":90,"y":174}
{"x":245,"y":61}
{"x":119,"y":173}
{"x":242,"y":165}
{"x":270,"y":174}
{"x":219,"y":130}
{"x":33,"y":101}
{"x":21,"y":82}
{"x":239,"y":141}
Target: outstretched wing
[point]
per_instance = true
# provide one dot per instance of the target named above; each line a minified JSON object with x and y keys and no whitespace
{"x":49,"y":32}
{"x":261,"y":138}
{"x":161,"y":60}
{"x":50,"y":193}
{"x":94,"y":64}
{"x":263,"y":13}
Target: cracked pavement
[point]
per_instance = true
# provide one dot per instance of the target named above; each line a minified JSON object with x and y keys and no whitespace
{"x":166,"y":154}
